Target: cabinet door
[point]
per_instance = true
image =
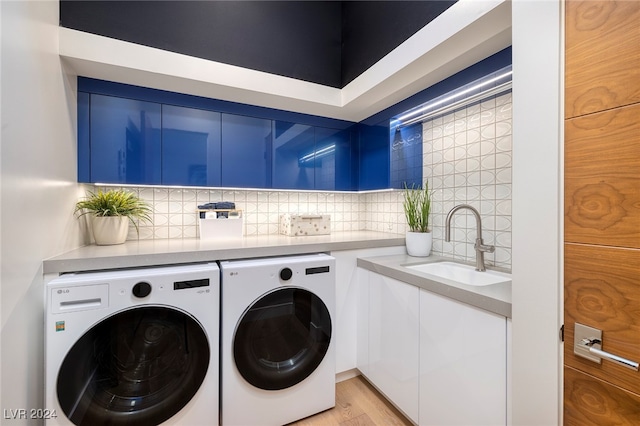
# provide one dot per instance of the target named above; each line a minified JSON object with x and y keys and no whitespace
{"x":246,"y":152}
{"x":333,"y":160}
{"x":394,"y":341}
{"x":84,"y":138}
{"x":362,"y":312}
{"x":463,"y":364}
{"x":406,"y":156}
{"x":190,"y":146}
{"x":293,"y":156}
{"x":125,"y":140}
{"x":373,"y":157}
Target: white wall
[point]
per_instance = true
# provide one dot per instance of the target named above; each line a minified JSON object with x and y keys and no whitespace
{"x":537,"y":211}
{"x":38,"y":188}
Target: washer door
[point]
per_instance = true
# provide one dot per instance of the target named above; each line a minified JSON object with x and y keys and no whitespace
{"x":140,"y":366}
{"x":282,"y":338}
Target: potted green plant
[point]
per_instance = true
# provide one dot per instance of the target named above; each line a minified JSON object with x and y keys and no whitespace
{"x":417,"y":208}
{"x":111,"y":212}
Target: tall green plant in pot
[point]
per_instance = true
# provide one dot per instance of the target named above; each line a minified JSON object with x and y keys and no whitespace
{"x":111,"y":212}
{"x":417,"y":208}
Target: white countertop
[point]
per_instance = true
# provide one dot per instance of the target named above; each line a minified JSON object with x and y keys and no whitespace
{"x":493,"y":298}
{"x":174,"y":251}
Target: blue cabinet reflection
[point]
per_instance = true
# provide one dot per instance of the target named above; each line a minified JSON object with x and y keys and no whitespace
{"x":191,"y":147}
{"x":246,"y":150}
{"x":332,"y":165}
{"x":125,"y":141}
{"x":307,"y":157}
{"x":293,"y":144}
{"x":406,"y":156}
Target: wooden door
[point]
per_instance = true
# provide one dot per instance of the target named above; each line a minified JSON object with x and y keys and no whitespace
{"x":602,"y":207}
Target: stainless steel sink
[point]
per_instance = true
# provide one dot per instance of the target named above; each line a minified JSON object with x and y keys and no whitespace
{"x":460,"y":273}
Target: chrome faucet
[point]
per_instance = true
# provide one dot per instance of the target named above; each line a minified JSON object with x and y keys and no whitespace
{"x":479,"y":245}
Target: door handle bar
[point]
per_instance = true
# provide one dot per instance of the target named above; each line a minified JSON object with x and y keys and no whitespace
{"x":588,"y":344}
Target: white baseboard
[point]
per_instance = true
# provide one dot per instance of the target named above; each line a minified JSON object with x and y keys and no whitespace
{"x":346,"y":375}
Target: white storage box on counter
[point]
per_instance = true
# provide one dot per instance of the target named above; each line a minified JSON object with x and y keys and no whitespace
{"x":215,"y":226}
{"x":296,"y":225}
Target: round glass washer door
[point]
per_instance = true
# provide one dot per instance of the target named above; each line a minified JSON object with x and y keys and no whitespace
{"x":282,"y":338}
{"x":138,"y":367}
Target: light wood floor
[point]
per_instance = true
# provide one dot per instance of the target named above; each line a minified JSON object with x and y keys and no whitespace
{"x":357,"y":404}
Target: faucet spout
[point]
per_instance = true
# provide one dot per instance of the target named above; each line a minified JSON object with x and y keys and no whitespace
{"x":479,"y":245}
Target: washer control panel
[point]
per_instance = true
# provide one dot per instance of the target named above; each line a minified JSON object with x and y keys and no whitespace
{"x":79,"y":298}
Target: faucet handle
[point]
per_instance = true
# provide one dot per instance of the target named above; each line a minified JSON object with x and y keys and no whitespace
{"x":489,"y":249}
{"x":479,"y":245}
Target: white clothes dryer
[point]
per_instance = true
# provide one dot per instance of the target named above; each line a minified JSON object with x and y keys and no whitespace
{"x":277,"y":345}
{"x":133,"y":347}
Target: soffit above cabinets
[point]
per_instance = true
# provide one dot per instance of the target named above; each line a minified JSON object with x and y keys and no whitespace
{"x":464,"y":34}
{"x":324,"y":42}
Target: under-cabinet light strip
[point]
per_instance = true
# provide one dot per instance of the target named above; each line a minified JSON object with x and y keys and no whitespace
{"x":448,"y":102}
{"x":217,"y":188}
{"x":455,"y":105}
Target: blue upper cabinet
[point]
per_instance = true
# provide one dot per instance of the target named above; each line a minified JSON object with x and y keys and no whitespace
{"x":135,"y":135}
{"x":307,"y":157}
{"x":293,"y":156}
{"x":406,"y":156}
{"x":373,"y":156}
{"x":124,"y":141}
{"x":84,"y":138}
{"x":246,"y":152}
{"x":191,"y":146}
{"x":333,"y":159}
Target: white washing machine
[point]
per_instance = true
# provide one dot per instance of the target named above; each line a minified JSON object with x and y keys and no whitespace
{"x":134,"y":347}
{"x":277,"y":345}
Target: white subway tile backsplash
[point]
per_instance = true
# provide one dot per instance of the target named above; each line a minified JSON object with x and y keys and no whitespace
{"x":503,"y":143}
{"x":160,"y":206}
{"x":503,"y":128}
{"x":504,"y":207}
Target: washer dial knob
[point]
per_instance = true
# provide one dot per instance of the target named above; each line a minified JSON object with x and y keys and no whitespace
{"x":141,"y":289}
{"x":286,"y":274}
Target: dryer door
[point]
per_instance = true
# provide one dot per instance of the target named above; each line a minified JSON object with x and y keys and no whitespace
{"x":139,"y":366}
{"x":282,"y":338}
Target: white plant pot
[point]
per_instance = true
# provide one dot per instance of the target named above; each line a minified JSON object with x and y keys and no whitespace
{"x":419,"y":243}
{"x":109,"y":230}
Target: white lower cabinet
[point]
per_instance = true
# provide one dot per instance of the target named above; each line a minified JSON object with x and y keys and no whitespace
{"x":393,"y":341}
{"x":362,"y":308}
{"x":439,"y":361}
{"x":463,"y":364}
{"x":347,"y":297}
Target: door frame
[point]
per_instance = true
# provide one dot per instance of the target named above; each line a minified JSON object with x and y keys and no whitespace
{"x":537,"y":210}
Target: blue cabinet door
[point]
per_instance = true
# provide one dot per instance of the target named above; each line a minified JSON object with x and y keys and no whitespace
{"x":246,"y":152}
{"x":373,"y":156}
{"x":333,"y":159}
{"x":84,"y":138}
{"x":293,"y":156}
{"x":125,"y":141}
{"x":191,"y":146}
{"x":406,"y":156}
